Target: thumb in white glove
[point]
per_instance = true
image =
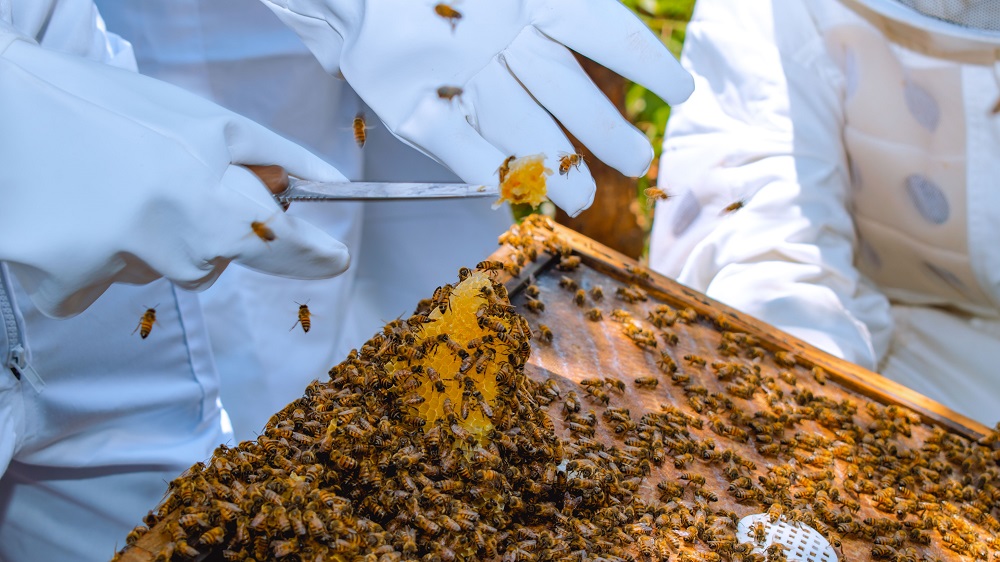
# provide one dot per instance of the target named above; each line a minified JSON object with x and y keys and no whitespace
{"x":511,"y":58}
{"x":111,"y":176}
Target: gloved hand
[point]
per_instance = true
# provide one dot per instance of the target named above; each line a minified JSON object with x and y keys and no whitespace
{"x":110,"y":176}
{"x":504,"y":55}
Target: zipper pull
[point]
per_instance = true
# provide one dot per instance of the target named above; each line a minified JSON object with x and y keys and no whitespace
{"x":19,"y":365}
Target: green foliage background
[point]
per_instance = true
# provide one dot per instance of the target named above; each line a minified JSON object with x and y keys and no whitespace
{"x":668,"y":19}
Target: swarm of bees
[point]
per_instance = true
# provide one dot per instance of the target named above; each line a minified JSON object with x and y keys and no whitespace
{"x":430,"y":443}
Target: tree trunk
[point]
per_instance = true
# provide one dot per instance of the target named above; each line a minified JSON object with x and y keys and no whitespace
{"x":612,"y":219}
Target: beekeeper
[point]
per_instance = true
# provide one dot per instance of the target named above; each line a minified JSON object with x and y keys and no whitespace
{"x":113,"y":177}
{"x":240,"y":55}
{"x":861,"y":140}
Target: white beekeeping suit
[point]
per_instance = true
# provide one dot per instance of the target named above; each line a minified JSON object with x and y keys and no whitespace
{"x":238,"y":54}
{"x":860,"y":136}
{"x":111,"y":177}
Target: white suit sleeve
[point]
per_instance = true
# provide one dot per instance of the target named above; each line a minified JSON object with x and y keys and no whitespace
{"x":110,"y":176}
{"x":764,"y":126}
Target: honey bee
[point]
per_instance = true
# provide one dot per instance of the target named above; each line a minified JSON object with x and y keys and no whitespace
{"x":284,"y":548}
{"x":262,"y":231}
{"x":567,"y":283}
{"x":136,"y":534}
{"x":532,"y":291}
{"x":490,"y":265}
{"x":360,"y":128}
{"x":692,"y":478}
{"x":213,"y":536}
{"x":185,"y":549}
{"x":572,"y":402}
{"x":450,"y":92}
{"x":567,"y":161}
{"x":544,"y":334}
{"x":568,"y":263}
{"x":599,"y":394}
{"x":819,"y":375}
{"x":597,"y":292}
{"x":666,"y":363}
{"x":647,"y":382}
{"x":504,"y":168}
{"x":435,"y":379}
{"x":146,"y":322}
{"x":654,"y":194}
{"x":535,"y":306}
{"x":305,"y":318}
{"x":451,"y":14}
{"x":695,"y":360}
{"x":734,"y":206}
{"x":594,"y":314}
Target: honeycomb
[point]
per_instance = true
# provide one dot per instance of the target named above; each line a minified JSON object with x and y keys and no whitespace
{"x":523,"y":180}
{"x":460,"y":322}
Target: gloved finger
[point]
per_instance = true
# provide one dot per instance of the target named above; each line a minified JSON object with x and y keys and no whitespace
{"x":253,"y":232}
{"x":512,"y":121}
{"x":441,"y":130}
{"x":252,"y":143}
{"x":608,"y":33}
{"x":554,"y":78}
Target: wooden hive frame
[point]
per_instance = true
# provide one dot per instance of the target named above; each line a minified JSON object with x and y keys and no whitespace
{"x":617,"y":268}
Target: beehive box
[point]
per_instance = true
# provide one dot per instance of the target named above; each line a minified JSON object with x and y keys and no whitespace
{"x":676,"y":416}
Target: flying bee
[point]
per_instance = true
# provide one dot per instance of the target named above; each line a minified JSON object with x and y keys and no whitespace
{"x":146,"y":322}
{"x":262,"y":231}
{"x":360,"y":128}
{"x":451,"y":14}
{"x":734,"y":206}
{"x":654,"y":194}
{"x":647,"y":382}
{"x":305,"y":317}
{"x":567,"y":161}
{"x":449,"y":93}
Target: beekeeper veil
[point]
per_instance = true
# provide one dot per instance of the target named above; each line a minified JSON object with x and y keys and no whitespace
{"x":977,"y":20}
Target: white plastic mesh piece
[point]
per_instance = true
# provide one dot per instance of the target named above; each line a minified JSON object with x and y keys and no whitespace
{"x":972,"y":14}
{"x":802,"y":543}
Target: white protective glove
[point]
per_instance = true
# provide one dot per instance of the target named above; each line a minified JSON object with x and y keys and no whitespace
{"x":110,"y":176}
{"x":511,"y":59}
